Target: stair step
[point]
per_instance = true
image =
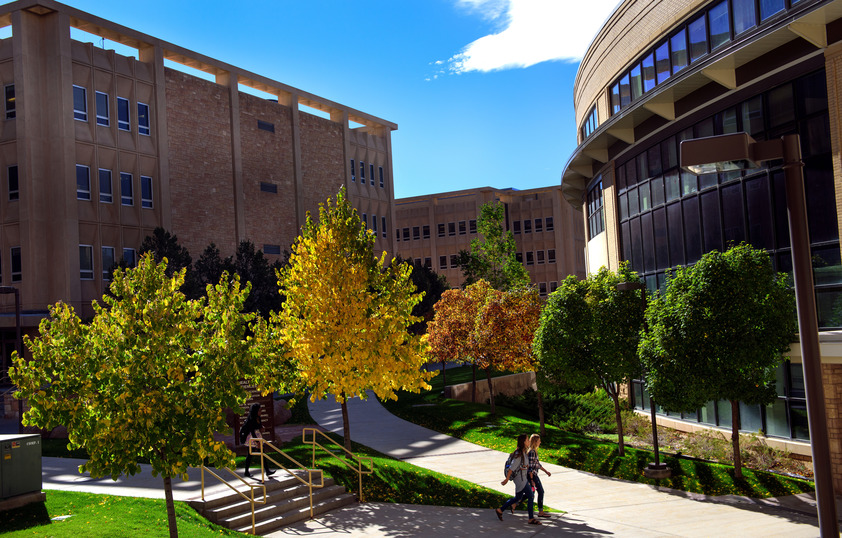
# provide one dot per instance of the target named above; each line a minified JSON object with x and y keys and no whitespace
{"x":239,"y":505}
{"x":299,"y":514}
{"x":224,"y":497}
{"x":273,"y":509}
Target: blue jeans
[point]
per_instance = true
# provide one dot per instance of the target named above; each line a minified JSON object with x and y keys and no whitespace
{"x":540,"y":490}
{"x":525,"y":492}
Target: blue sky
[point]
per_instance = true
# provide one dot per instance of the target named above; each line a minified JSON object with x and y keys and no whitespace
{"x":481,"y":90}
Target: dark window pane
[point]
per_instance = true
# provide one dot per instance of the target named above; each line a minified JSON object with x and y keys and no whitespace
{"x":815,"y":136}
{"x":621,"y":178}
{"x":697,"y":31}
{"x":624,"y":206}
{"x":705,"y":128}
{"x":675,"y":234}
{"x":827,"y":267}
{"x":672,"y":187}
{"x":634,"y":205}
{"x":744,"y":15}
{"x":776,"y":422}
{"x":711,"y":225}
{"x":625,"y":233}
{"x":692,"y":229}
{"x":657,"y":186}
{"x":642,"y":166}
{"x":770,"y":7}
{"x":669,"y":155}
{"x":759,"y":212}
{"x":708,"y":180}
{"x":615,"y":98}
{"x":631,"y":173}
{"x":781,"y":222}
{"x":625,"y":91}
{"x":732,"y":214}
{"x":644,"y":196}
{"x":729,"y":121}
{"x":648,"y":65}
{"x":821,"y":204}
{"x":679,"y":51}
{"x":781,"y":109}
{"x":648,"y":242}
{"x":637,"y":246}
{"x":659,"y":221}
{"x":689,"y":183}
{"x":811,"y":93}
{"x":829,"y":308}
{"x":654,"y":157}
{"x":636,"y":82}
{"x":750,"y":419}
{"x":798,"y":417}
{"x":752,"y":113}
{"x":720,"y":28}
{"x":662,"y":62}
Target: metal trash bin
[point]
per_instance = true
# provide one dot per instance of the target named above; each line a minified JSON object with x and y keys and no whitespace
{"x":20,"y":464}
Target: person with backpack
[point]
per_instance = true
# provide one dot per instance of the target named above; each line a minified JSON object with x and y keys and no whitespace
{"x":251,"y":430}
{"x":517,"y":471}
{"x":532,"y":466}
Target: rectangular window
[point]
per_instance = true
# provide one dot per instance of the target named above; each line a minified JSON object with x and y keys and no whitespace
{"x":441,"y":230}
{"x":697,"y":31}
{"x":720,"y":26}
{"x":383,"y":225}
{"x":83,"y":182}
{"x":416,"y":233}
{"x":353,"y":171}
{"x":662,"y":62}
{"x":406,"y":234}
{"x":102,"y":116}
{"x":451,"y":228}
{"x":530,"y":258}
{"x":374,"y":224}
{"x":261,"y":125}
{"x":442,"y":262}
{"x":14,"y":185}
{"x":540,"y":256}
{"x":745,"y":17}
{"x":615,"y":98}
{"x":380,"y":171}
{"x":143,"y":124}
{"x":425,"y":231}
{"x":417,"y":262}
{"x":542,"y":289}
{"x":428,"y":263}
{"x":365,"y":220}
{"x":678,"y":42}
{"x":130,"y":257}
{"x":146,"y":192}
{"x":454,"y":261}
{"x":527,"y":226}
{"x":770,"y":7}
{"x":268,"y":187}
{"x":636,"y":82}
{"x":362,"y":172}
{"x":124,"y":122}
{"x":371,"y":174}
{"x":553,"y":286}
{"x":272,"y":250}
{"x":17,"y":265}
{"x":472,"y":226}
{"x":398,"y":234}
{"x":648,"y":73}
{"x":106,"y":192}
{"x":107,"y":262}
{"x":516,"y":227}
{"x":539,"y":225}
{"x":548,"y":224}
{"x":463,"y":227}
{"x":551,"y":255}
{"x":80,"y":103}
{"x":86,"y":262}
{"x":519,"y":257}
{"x":126,"y":190}
{"x":596,"y":221}
{"x":625,"y":91}
{"x":10,"y":101}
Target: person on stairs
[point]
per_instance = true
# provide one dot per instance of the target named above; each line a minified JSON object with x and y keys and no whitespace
{"x":251,"y":430}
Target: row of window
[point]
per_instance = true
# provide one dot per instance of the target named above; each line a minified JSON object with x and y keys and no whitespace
{"x":529,"y":257}
{"x":591,"y":123}
{"x":109,"y":261}
{"x":596,"y":217}
{"x":370,"y":175}
{"x":373,"y":226}
{"x":545,"y":224}
{"x":102,"y":105}
{"x":705,"y":33}
{"x":17,"y":265}
{"x":106,"y":191}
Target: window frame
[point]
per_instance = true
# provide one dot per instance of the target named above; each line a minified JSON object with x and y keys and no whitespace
{"x":123,"y":196}
{"x":124,"y":124}
{"x":16,"y":258}
{"x":11,"y":108}
{"x":14,"y":194}
{"x":102,"y":119}
{"x":80,"y":114}
{"x":81,"y":193}
{"x":146,"y":203}
{"x":145,"y":127}
{"x":353,"y":171}
{"x":86,"y":273}
{"x":133,"y":253}
{"x":106,"y":273}
{"x":382,"y":183}
{"x":105,"y":197}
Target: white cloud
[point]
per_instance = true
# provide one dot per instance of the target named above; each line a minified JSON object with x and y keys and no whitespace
{"x":531,"y":32}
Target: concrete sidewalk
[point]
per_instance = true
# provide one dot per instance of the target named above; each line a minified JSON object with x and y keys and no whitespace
{"x":594,"y":505}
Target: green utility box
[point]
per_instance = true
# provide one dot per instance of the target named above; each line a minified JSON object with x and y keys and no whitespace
{"x":20,"y":464}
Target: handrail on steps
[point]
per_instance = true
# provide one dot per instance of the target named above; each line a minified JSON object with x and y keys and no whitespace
{"x":360,"y":469}
{"x":259,"y":441}
{"x":251,"y":487}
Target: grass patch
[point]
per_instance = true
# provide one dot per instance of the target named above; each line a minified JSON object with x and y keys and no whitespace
{"x":474,"y":423}
{"x":94,"y":515}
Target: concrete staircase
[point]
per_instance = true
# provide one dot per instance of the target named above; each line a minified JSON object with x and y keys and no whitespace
{"x":288,"y":501}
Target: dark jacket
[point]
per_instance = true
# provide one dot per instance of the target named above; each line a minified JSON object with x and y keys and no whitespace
{"x":252,"y":424}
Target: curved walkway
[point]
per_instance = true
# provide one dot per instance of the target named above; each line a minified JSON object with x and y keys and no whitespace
{"x":594,"y":505}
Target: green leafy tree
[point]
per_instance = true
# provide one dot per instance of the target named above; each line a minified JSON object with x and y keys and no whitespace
{"x":494,"y":257}
{"x":164,"y":245}
{"x":589,"y":333}
{"x":149,"y":377}
{"x":718,"y":333}
{"x":346,"y":314}
{"x":432,"y":285}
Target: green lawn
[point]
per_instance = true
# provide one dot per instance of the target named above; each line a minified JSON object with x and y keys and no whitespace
{"x":104,"y":515}
{"x":474,"y":423}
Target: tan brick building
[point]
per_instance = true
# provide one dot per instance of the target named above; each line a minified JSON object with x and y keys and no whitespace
{"x":433,"y":229}
{"x":661,"y":72}
{"x":97,"y":148}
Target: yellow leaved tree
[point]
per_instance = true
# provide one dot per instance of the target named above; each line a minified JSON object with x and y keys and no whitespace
{"x":344,"y":322}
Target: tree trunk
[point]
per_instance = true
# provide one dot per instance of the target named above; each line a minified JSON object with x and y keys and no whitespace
{"x":490,"y":389}
{"x":346,"y":428}
{"x":444,"y":375}
{"x":474,"y":385}
{"x":614,"y":392}
{"x":170,"y":507}
{"x":541,"y":414}
{"x":735,"y":438}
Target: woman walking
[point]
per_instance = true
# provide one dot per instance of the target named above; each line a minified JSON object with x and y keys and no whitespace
{"x":251,"y":430}
{"x":533,"y":465}
{"x":523,"y":482}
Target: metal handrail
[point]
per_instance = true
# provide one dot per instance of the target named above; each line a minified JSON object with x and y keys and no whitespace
{"x":251,"y":487}
{"x":359,"y":459}
{"x":259,"y":441}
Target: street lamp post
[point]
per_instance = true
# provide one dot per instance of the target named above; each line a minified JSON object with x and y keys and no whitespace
{"x":737,"y":152}
{"x":12,"y":289}
{"x":654,"y":469}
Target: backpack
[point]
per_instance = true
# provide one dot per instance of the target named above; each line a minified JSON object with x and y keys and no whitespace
{"x":509,"y":464}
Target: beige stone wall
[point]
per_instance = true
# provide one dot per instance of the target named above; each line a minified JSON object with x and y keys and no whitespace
{"x":510,"y":385}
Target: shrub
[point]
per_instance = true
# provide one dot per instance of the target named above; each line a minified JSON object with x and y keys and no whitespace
{"x":591,"y":412}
